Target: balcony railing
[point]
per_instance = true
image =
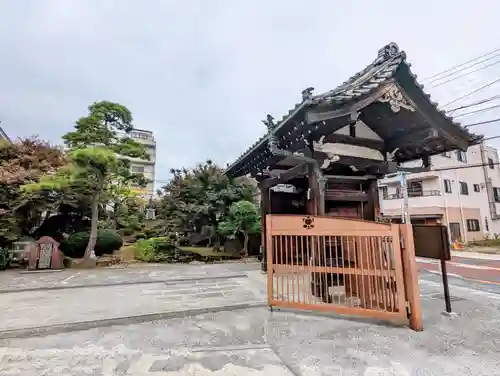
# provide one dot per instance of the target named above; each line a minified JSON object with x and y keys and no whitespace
{"x":396,"y":196}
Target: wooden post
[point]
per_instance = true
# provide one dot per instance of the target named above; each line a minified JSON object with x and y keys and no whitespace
{"x":410,"y":273}
{"x":314,"y":205}
{"x":264,"y":210}
{"x":269,"y":260}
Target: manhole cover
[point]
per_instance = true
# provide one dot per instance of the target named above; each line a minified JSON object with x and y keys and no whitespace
{"x":441,"y":296}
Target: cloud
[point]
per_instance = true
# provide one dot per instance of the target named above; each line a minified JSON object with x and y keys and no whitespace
{"x":201,"y":75}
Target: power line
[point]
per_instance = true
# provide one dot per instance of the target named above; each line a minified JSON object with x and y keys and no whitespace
{"x":466,"y":166}
{"x":490,"y":138}
{"x":482,"y":101}
{"x":465,"y":74}
{"x":481,"y":123}
{"x":461,"y":65}
{"x":474,"y":91}
{"x":478,"y":111}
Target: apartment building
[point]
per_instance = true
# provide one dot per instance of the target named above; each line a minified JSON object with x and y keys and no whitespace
{"x":467,"y":200}
{"x":146,"y":167}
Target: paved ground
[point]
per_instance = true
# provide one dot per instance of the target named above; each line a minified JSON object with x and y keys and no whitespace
{"x":479,"y":268}
{"x":216,"y":323}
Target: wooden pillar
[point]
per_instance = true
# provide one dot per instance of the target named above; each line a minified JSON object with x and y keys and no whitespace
{"x":410,"y":274}
{"x":371,"y":209}
{"x":265,"y":209}
{"x":314,"y":205}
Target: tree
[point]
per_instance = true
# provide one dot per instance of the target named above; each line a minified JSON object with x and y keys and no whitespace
{"x":196,"y":200}
{"x":243,"y":218}
{"x":26,"y":161}
{"x":99,"y":150}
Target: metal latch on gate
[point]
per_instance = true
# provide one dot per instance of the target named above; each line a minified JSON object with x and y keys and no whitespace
{"x":408,"y":309}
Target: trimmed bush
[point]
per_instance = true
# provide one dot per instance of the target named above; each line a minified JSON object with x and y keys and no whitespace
{"x":161,"y":249}
{"x":108,"y":241}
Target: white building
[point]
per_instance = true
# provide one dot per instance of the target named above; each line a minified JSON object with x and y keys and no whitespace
{"x":146,"y":167}
{"x":467,"y":200}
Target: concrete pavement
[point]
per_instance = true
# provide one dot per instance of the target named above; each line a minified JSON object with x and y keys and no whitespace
{"x":233,"y":340}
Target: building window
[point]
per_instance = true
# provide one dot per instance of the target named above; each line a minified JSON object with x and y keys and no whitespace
{"x":446,"y":154}
{"x":496,"y":194}
{"x":415,"y":188}
{"x":486,"y":225}
{"x":447,"y":185}
{"x":477,"y":188}
{"x":385,"y":193}
{"x":473,"y":225}
{"x":137,"y":169}
{"x":464,"y":188}
{"x":461,"y":156}
{"x":491,"y":163}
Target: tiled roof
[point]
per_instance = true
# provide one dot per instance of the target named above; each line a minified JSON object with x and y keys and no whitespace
{"x":383,"y":68}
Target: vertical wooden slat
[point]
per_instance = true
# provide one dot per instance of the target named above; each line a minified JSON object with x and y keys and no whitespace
{"x":369,"y":277}
{"x":325,"y":274}
{"x":356,"y":267}
{"x":361,"y":266}
{"x":308,"y":272}
{"x":331,"y":273}
{"x":375,"y":252}
{"x":384,"y":277}
{"x":337,"y":263}
{"x":304,"y":287}
{"x":269,"y":255}
{"x":294,"y":272}
{"x":287,"y":263}
{"x":388,"y":257}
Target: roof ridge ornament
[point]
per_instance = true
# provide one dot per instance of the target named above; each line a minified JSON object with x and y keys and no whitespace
{"x":307,"y":93}
{"x":271,"y":126}
{"x":387,"y":52}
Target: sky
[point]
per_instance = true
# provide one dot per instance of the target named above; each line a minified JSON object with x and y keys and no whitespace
{"x":203,"y":74}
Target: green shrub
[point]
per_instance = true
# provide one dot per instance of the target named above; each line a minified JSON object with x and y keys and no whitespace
{"x":144,"y":250}
{"x":161,"y":249}
{"x":108,"y":241}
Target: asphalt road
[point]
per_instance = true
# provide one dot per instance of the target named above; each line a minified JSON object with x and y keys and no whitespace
{"x":473,"y":271}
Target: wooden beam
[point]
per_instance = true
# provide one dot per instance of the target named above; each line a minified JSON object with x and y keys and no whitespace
{"x":351,"y":178}
{"x":285,"y":176}
{"x":417,"y":137}
{"x":357,"y":141}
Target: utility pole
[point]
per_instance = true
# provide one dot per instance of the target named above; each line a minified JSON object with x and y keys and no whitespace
{"x":405,"y":216}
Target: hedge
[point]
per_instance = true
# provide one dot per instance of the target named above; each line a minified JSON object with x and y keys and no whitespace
{"x":108,"y":241}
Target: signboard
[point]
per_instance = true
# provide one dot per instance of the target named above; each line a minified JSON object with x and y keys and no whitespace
{"x":431,"y":241}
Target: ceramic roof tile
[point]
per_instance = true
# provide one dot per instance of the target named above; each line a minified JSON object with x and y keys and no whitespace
{"x":383,"y":68}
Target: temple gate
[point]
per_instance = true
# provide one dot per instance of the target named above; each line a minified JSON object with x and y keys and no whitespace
{"x":332,"y":253}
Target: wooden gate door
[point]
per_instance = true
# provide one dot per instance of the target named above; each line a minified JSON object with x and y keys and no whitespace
{"x":347,"y":266}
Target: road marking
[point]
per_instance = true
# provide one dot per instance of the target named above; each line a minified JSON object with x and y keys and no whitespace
{"x":457,"y":264}
{"x":473,"y":291}
{"x":65,"y":280}
{"x":465,"y":278}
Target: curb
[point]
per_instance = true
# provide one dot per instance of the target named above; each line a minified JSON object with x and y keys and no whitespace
{"x":164,"y":281}
{"x":47,"y":330}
